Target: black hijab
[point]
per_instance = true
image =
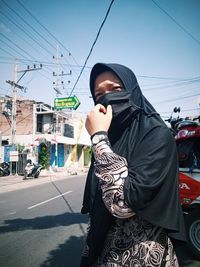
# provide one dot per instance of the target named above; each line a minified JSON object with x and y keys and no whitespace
{"x":151,"y":188}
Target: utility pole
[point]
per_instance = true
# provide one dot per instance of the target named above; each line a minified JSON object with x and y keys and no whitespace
{"x":59,"y":83}
{"x":13,"y":120}
{"x":15,"y":85}
{"x":57,"y":87}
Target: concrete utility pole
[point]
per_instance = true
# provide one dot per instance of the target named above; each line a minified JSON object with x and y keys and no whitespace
{"x":13,"y":120}
{"x":57,"y":87}
{"x":59,"y":83}
{"x":15,"y":85}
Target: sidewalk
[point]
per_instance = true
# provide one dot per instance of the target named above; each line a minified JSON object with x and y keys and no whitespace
{"x":16,"y":182}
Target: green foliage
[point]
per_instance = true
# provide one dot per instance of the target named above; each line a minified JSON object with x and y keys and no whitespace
{"x":44,"y":156}
{"x":20,"y":148}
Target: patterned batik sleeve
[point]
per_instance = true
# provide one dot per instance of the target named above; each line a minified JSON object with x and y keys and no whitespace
{"x":112,"y":171}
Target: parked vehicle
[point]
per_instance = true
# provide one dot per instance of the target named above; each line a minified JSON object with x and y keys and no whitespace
{"x":4,"y":169}
{"x":187,"y":135}
{"x":32,"y":170}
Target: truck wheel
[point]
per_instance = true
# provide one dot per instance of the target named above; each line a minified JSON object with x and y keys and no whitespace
{"x":193,"y":232}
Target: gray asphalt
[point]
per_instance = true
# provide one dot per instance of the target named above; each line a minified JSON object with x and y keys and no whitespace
{"x":41,"y":224}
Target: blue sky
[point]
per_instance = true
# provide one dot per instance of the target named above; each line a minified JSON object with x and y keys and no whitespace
{"x":159,"y":40}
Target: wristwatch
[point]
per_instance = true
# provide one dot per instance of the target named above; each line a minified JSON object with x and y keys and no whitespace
{"x":96,"y":138}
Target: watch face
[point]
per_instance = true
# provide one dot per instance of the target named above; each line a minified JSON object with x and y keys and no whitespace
{"x":95,"y":139}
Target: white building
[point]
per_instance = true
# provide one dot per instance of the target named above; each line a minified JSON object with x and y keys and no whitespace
{"x":40,"y":129}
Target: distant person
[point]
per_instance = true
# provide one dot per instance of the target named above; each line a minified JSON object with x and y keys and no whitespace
{"x":132,"y":191}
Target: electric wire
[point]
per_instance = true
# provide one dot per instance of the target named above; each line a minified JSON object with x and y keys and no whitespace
{"x":172,"y":86}
{"x":168,"y":84}
{"x":177,"y":23}
{"x":33,"y":60}
{"x":17,"y":53}
{"x":55,"y":39}
{"x":6,"y":90}
{"x":182,"y":110}
{"x":175,"y":99}
{"x":90,"y":52}
{"x":30,"y":26}
{"x":149,"y":86}
{"x":85,"y":67}
{"x":169,"y":79}
{"x":16,"y":45}
{"x":158,"y":77}
{"x":46,"y":30}
{"x":7,"y":52}
{"x":26,"y":33}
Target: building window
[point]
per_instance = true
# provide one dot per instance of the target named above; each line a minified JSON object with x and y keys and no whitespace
{"x":39,"y":123}
{"x":68,"y":131}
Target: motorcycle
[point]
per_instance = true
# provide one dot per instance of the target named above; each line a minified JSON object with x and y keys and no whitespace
{"x":32,"y":170}
{"x":4,"y":169}
{"x":187,"y":135}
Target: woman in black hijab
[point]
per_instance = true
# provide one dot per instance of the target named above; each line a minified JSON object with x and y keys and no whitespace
{"x":131,"y":192}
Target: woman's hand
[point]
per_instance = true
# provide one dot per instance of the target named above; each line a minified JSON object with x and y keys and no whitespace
{"x":99,"y":119}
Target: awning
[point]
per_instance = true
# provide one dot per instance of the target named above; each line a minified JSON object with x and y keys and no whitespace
{"x":53,"y":139}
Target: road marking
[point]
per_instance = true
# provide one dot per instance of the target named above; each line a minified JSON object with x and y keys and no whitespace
{"x":48,"y":200}
{"x":11,"y":213}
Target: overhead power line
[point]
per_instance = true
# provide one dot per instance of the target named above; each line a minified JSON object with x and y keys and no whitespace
{"x":175,"y":99}
{"x":28,"y":34}
{"x":52,"y":36}
{"x":182,"y":110}
{"x":98,"y":33}
{"x":7,"y":52}
{"x":177,"y":23}
{"x":172,"y":85}
{"x":166,"y":78}
{"x":16,"y":45}
{"x":30,"y":27}
{"x":45,"y":29}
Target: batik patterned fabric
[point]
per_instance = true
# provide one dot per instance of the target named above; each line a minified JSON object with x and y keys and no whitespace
{"x":131,"y":241}
{"x":136,"y":243}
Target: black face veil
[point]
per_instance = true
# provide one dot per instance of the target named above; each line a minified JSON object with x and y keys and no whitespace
{"x":126,"y":104}
{"x":127,"y":78}
{"x":151,"y":188}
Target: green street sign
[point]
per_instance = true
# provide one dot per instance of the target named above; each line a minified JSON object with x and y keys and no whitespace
{"x":70,"y":102}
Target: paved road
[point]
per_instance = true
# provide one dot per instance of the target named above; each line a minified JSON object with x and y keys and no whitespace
{"x":41,"y":224}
